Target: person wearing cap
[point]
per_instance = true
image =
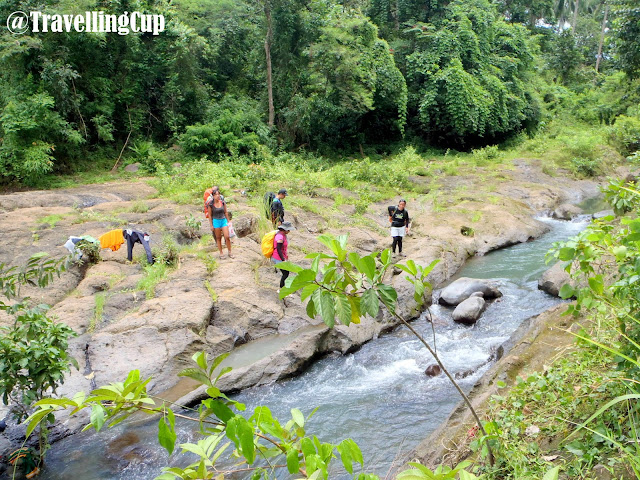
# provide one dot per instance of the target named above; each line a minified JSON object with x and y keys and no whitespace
{"x":277,"y":209}
{"x":280,"y":244}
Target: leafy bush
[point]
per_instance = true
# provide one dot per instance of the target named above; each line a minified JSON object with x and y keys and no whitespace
{"x":625,"y":134}
{"x":235,"y":128}
{"x":587,"y":167}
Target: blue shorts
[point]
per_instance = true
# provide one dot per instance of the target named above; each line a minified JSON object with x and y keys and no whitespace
{"x":219,"y":223}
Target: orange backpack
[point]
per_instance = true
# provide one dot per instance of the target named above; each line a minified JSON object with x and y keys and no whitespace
{"x":205,"y":197}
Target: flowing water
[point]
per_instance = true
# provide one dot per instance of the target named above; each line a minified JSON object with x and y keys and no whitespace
{"x":379,"y":395}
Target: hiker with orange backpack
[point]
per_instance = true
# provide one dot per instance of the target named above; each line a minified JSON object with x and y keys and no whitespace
{"x":219,"y":217}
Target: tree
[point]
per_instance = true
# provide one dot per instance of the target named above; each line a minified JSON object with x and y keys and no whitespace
{"x":626,"y":31}
{"x":33,"y":351}
{"x":469,"y":76}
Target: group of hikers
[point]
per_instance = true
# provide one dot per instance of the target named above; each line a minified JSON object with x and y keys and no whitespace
{"x":220,"y":222}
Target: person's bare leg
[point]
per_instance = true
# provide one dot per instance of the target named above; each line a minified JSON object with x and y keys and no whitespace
{"x":225,"y":232}
{"x":219,"y":240}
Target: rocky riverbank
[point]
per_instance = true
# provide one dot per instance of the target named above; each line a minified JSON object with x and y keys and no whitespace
{"x":234,"y":306}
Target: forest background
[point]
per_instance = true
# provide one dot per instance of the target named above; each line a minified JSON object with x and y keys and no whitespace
{"x":251,"y":80}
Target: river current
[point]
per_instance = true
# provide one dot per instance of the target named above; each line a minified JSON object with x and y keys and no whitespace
{"x":379,"y":396}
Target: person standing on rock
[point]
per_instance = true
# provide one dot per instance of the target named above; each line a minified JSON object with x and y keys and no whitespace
{"x":280,"y":244}
{"x":219,"y":220}
{"x":400,"y":223}
{"x":277,"y":209}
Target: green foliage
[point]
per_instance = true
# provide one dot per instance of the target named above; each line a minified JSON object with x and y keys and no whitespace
{"x":90,"y":251}
{"x":469,"y":73}
{"x":33,"y":358}
{"x":606,"y":256}
{"x":620,"y":195}
{"x":626,"y":28}
{"x":235,"y":128}
{"x":193,"y":226}
{"x":625,"y":134}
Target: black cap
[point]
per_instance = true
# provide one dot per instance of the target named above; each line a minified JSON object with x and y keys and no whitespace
{"x":282,"y":191}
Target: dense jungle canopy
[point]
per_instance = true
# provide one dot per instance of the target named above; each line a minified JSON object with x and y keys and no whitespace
{"x":236,"y":78}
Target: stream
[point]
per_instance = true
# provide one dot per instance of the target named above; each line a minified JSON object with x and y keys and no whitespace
{"x":379,"y":396}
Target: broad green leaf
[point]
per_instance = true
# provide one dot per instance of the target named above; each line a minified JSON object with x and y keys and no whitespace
{"x":355,"y":309}
{"x":35,"y":419}
{"x":201,"y":360}
{"x":302,"y":279}
{"x":166,"y":436}
{"x":97,"y":417}
{"x":388,"y":295}
{"x":219,"y":409}
{"x":368,"y":266}
{"x":464,"y":475}
{"x":597,"y":284}
{"x":412,"y":267}
{"x":369,"y":303}
{"x":566,"y":253}
{"x":566,"y":291}
{"x":324,"y":304}
{"x":308,"y":290}
{"x":311,"y":308}
{"x":385,"y":256}
{"x":297,"y":416}
{"x":196,"y":374}
{"x":343,"y":309}
{"x":291,"y":267}
{"x":293,"y":462}
{"x":552,"y":474}
{"x":345,"y":456}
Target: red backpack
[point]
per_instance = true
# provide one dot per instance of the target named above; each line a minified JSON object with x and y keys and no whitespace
{"x":205,"y":197}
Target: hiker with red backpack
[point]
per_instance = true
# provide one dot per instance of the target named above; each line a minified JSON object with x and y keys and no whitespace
{"x":219,"y":218}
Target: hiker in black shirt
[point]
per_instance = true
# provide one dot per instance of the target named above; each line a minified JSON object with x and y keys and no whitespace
{"x":399,"y":219}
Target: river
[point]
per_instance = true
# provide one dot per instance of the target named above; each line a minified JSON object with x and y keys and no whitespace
{"x":379,"y":395}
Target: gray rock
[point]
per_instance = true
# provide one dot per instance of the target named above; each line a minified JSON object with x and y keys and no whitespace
{"x":469,"y":311}
{"x":464,"y":287}
{"x":603,"y":213}
{"x":553,"y":279}
{"x":134,"y":167}
{"x":245,"y":225}
{"x":566,"y":211}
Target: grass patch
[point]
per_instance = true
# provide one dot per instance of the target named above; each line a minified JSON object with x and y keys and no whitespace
{"x":139,"y":207}
{"x":153,"y":275}
{"x":305,"y":203}
{"x":212,"y":292}
{"x":51,"y":220}
{"x":96,"y":320}
{"x":93,"y":216}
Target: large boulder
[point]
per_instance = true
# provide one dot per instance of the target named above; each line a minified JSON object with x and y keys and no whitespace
{"x":566,"y":211}
{"x":469,"y":311}
{"x":553,"y":279}
{"x":246,"y":225}
{"x":458,"y":291}
{"x":603,"y":213}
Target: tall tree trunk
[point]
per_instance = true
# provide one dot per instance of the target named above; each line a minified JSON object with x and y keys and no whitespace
{"x":604,"y":26}
{"x":267,"y":51}
{"x":575,"y":16}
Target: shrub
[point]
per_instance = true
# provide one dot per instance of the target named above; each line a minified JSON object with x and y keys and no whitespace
{"x":235,"y":128}
{"x":624,"y":135}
